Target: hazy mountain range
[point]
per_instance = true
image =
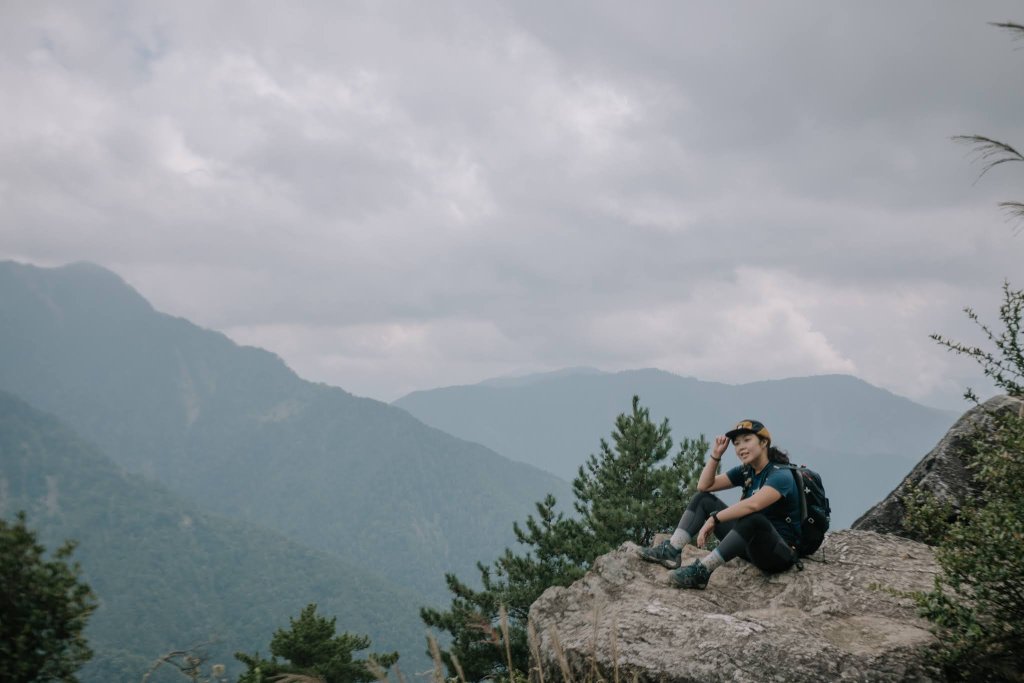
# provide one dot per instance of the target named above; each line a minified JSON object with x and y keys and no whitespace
{"x":215,"y":493}
{"x":235,"y":432}
{"x":862,"y":439}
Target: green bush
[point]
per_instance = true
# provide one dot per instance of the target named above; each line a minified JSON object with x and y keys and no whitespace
{"x":977,"y":604}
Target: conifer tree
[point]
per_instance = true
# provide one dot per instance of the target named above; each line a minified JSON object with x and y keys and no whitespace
{"x":310,"y":647}
{"x":44,"y":607}
{"x":625,"y":493}
{"x":630,"y":490}
{"x":559,"y":552}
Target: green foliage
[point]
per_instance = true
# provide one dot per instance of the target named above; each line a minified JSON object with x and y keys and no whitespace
{"x":44,"y":607}
{"x":977,"y":603}
{"x":1004,"y":365}
{"x":926,"y":517}
{"x":311,"y":648}
{"x":622,"y":493}
{"x":559,"y":552}
{"x":625,"y":492}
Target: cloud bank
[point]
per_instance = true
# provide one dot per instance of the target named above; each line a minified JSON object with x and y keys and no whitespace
{"x":396,"y":196}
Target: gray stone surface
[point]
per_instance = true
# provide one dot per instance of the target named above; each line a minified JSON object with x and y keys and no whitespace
{"x":942,"y":471}
{"x":841,"y":619}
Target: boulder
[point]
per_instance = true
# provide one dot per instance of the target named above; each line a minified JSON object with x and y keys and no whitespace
{"x":942,"y":472}
{"x":846,"y":616}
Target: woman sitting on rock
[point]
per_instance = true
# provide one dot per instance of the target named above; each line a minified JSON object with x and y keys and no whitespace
{"x":764,"y":527}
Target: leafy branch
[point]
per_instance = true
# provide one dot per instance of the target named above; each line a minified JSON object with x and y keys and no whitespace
{"x":1005,"y":368}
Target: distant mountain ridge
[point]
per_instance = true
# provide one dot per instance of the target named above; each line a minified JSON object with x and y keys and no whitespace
{"x":526,"y":380}
{"x":168,"y":576}
{"x":863,"y":439}
{"x":235,"y":430}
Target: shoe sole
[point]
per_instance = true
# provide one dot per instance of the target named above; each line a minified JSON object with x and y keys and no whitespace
{"x":667,"y":564}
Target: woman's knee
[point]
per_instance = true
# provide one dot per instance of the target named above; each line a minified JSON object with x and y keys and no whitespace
{"x":765,"y":547}
{"x":705,"y":501}
{"x":752,"y":525}
{"x":778,"y":559}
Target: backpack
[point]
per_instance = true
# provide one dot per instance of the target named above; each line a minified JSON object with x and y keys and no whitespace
{"x":814,"y":507}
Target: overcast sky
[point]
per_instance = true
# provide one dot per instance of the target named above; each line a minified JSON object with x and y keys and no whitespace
{"x":403,"y":195}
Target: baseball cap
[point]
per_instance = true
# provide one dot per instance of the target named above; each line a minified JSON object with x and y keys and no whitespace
{"x":749,"y":427}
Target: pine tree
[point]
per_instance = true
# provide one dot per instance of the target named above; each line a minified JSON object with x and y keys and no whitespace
{"x":626,"y":492}
{"x":623,"y":493}
{"x":44,"y":607}
{"x":559,"y":552}
{"x":310,"y":647}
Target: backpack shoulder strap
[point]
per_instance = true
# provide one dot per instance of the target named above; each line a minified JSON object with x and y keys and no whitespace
{"x":748,"y":480}
{"x":798,"y":479}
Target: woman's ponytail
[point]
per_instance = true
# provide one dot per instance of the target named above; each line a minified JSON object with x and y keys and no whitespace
{"x":776,"y":455}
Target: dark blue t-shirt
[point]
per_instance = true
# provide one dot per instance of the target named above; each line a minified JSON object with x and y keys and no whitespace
{"x":786,"y":507}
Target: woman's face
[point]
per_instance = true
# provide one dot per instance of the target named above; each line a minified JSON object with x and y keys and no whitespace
{"x":749,"y":448}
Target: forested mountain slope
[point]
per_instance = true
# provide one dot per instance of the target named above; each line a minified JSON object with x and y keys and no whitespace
{"x":236,"y":431}
{"x":168,"y":576}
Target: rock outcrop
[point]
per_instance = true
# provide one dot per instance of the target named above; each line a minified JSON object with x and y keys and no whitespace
{"x":845,"y":617}
{"x":943,"y":472}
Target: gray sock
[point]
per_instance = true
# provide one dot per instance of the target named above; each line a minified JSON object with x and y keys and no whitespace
{"x":712,"y":560}
{"x":680,"y":537}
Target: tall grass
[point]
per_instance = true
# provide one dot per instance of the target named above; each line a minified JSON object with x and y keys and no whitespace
{"x":536,"y":672}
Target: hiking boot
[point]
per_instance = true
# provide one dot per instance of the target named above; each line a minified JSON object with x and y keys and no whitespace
{"x":665,"y":554}
{"x":695,"y":575}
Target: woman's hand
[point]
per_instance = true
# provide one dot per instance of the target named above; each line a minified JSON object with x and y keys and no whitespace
{"x":702,"y":535}
{"x":708,"y":481}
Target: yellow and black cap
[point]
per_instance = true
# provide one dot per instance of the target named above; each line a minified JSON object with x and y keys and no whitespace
{"x":749,"y":427}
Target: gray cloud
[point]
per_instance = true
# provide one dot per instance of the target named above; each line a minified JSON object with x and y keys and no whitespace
{"x":396,"y":196}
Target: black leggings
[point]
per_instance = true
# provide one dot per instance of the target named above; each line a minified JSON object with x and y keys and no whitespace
{"x":753,"y":537}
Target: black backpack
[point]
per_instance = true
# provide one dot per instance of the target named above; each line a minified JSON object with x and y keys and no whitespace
{"x":814,"y":507}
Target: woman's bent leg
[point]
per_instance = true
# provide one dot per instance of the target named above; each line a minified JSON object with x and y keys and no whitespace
{"x":701,"y":506}
{"x":668,"y":553}
{"x":752,"y":537}
{"x":756,"y":538}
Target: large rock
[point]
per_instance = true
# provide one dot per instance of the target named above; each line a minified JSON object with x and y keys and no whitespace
{"x":943,"y":472}
{"x":844,"y":617}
